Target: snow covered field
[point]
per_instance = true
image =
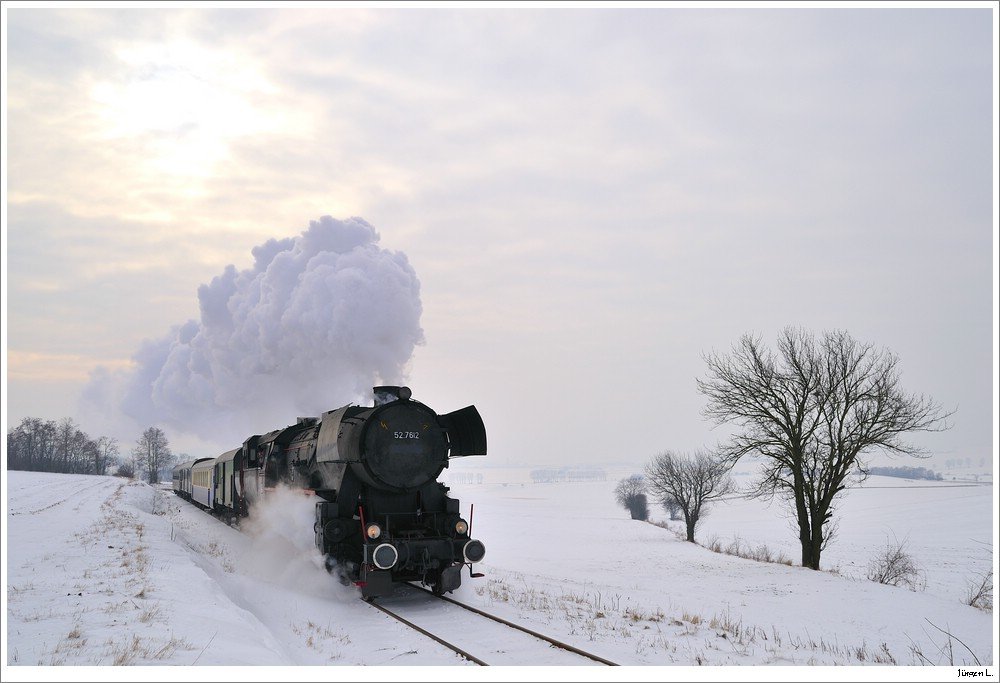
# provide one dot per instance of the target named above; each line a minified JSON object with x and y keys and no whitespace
{"x":103,"y":571}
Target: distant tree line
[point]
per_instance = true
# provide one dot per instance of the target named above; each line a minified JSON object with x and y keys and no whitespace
{"x":49,"y":446}
{"x":959,"y":463}
{"x":906,"y":472}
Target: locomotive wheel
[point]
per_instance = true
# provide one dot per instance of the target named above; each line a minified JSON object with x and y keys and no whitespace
{"x":339,"y":572}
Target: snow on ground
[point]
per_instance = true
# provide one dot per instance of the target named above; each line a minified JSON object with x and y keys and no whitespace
{"x":946,"y":526}
{"x":102,"y":571}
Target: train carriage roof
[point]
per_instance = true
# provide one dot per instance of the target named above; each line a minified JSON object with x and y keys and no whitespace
{"x":203,"y":464}
{"x":228,"y":455}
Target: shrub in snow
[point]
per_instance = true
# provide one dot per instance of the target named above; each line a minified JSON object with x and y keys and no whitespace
{"x":639,"y":507}
{"x":980,"y":592}
{"x":894,"y":566}
{"x":630,"y":494}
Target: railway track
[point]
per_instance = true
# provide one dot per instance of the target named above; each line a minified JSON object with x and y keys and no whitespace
{"x":497,"y":641}
{"x":494,"y":641}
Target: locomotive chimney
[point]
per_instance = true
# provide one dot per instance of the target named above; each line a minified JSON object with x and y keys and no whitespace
{"x":388,"y":394}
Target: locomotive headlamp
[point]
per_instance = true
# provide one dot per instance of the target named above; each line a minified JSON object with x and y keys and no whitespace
{"x":461,"y":527}
{"x":373,"y":531}
{"x":474,"y":551}
{"x":385,"y":556}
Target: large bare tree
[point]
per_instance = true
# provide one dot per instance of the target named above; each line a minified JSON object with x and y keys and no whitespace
{"x":815,"y":411}
{"x":690,"y":482}
{"x":152,"y":452}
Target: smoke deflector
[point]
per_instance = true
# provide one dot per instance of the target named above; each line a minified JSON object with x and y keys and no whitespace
{"x":466,"y":432}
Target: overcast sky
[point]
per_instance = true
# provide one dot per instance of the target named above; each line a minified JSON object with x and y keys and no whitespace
{"x":590,"y":199}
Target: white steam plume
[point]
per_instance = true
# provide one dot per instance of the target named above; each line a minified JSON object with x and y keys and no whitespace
{"x":316,"y":322}
{"x":283,"y":549}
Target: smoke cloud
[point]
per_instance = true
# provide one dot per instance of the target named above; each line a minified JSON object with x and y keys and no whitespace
{"x":315,"y":323}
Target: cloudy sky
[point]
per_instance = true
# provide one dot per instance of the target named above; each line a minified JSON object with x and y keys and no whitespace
{"x":588,"y":199}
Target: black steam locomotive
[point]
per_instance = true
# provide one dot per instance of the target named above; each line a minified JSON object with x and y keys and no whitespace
{"x":383,"y":517}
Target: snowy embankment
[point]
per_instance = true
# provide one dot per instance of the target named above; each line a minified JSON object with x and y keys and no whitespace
{"x":102,"y":571}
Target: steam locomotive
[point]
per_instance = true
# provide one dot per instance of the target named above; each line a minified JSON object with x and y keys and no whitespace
{"x":382,"y":516}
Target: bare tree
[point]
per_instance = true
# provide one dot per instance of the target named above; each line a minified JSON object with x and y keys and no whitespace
{"x":74,"y":449}
{"x":106,"y":453}
{"x":631,"y":494}
{"x":66,"y":431}
{"x":28,"y":444}
{"x":672,"y":507}
{"x":152,"y":452}
{"x":814,"y":411}
{"x":690,"y":482}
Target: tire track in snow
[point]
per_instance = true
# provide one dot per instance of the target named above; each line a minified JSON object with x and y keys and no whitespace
{"x":75,"y":493}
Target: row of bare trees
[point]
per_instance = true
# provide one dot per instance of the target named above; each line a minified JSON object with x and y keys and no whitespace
{"x":49,"y":446}
{"x":814,"y":411}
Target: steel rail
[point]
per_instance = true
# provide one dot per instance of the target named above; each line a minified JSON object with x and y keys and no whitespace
{"x":457,"y":650}
{"x":540,"y":636}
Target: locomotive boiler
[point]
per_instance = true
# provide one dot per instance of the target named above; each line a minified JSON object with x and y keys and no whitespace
{"x":382,"y":515}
